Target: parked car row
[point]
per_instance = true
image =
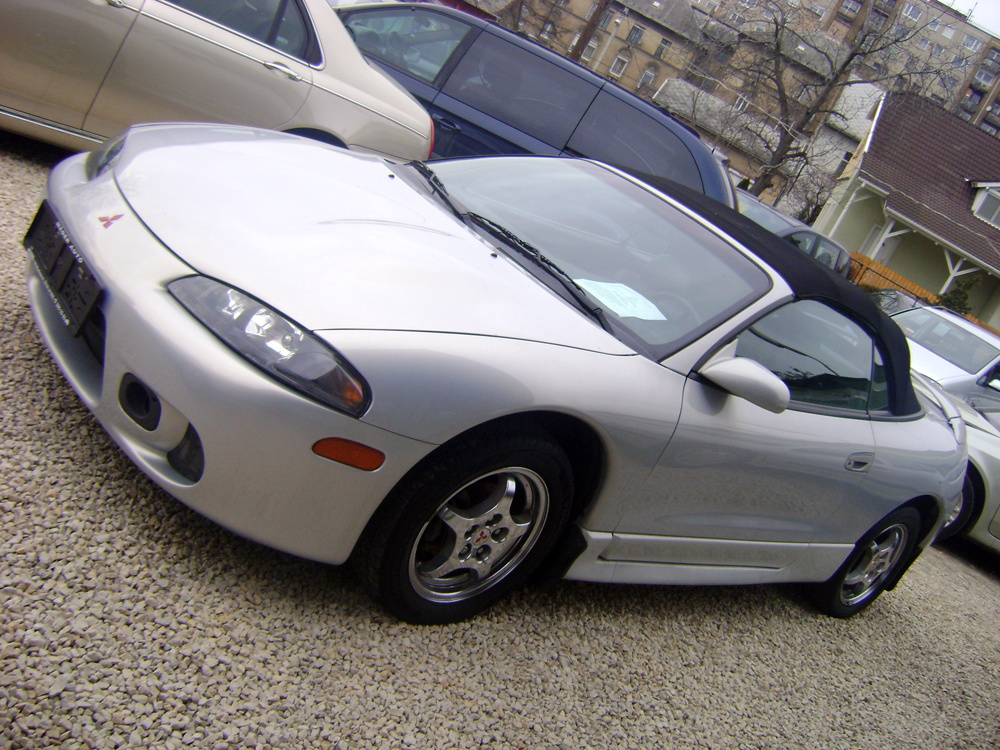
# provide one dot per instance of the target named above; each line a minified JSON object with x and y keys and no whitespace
{"x":471,"y":369}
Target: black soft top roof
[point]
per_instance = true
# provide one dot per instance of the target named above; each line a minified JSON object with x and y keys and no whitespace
{"x":810,"y":279}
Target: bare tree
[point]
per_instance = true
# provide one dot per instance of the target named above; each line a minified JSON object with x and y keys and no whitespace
{"x":794,"y":74}
{"x":589,"y":29}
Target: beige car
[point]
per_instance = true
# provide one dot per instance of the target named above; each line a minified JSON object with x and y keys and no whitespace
{"x":73,"y":72}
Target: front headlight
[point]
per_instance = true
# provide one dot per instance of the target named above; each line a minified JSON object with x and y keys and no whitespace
{"x":275,"y":344}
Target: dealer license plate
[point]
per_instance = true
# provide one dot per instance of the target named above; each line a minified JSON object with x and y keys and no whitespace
{"x":70,"y":282}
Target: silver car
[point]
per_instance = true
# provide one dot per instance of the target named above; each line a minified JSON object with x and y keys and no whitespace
{"x":960,"y":356}
{"x":74,"y":72}
{"x":977,"y":514}
{"x":455,"y":378}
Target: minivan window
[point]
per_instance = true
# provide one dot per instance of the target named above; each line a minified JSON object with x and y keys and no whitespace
{"x":417,"y":42}
{"x":520,"y":88}
{"x":617,"y":133}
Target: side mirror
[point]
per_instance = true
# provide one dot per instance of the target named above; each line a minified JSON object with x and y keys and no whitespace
{"x":749,"y":380}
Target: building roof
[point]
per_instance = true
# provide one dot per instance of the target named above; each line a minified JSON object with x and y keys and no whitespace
{"x":676,"y":15}
{"x":925,"y":160}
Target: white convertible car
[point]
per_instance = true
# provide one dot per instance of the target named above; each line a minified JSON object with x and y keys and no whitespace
{"x":455,"y":378}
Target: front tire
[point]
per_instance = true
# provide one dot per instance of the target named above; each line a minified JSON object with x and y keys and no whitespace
{"x":875,"y":561}
{"x":469,"y":527}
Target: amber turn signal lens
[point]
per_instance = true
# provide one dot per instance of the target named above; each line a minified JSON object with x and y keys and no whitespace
{"x":349,"y":453}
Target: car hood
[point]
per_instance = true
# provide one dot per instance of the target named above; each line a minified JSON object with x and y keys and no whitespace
{"x":928,"y":363}
{"x":332,"y":239}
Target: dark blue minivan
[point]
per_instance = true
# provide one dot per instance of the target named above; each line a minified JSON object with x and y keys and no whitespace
{"x":491,"y":91}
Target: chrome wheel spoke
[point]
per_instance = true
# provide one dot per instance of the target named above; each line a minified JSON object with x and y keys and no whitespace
{"x":877,"y":562}
{"x":479,"y":534}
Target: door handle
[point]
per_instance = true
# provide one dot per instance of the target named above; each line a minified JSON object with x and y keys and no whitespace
{"x":116,"y":3}
{"x":446,"y":124}
{"x":859,"y":462}
{"x":278,"y":67}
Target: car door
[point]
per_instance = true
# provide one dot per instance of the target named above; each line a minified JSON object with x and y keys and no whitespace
{"x":205,"y":60}
{"x":55,"y":53}
{"x":735,"y":473}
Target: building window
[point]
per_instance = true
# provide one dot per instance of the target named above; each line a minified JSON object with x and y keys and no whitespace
{"x":937,"y":50}
{"x":606,"y":21}
{"x":741,"y":104}
{"x":648,"y":76}
{"x":635,"y":35}
{"x":992,"y":130}
{"x":934,"y":25}
{"x":971,"y":43}
{"x":985,"y":77}
{"x":949,"y":82}
{"x":548,"y":29}
{"x":851,"y":7}
{"x":619,"y":65}
{"x":948,"y":32}
{"x":590,"y":12}
{"x":663,"y":48}
{"x":987,"y":204}
{"x":923,"y":43}
{"x":591,"y":48}
{"x":911,"y":11}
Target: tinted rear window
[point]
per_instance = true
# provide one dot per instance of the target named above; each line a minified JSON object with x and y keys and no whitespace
{"x":521,"y":89}
{"x":617,"y":133}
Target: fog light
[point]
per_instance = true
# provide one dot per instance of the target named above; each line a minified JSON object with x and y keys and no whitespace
{"x":139,"y":402}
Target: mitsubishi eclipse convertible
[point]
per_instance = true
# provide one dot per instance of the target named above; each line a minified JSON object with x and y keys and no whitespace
{"x":454,"y":379}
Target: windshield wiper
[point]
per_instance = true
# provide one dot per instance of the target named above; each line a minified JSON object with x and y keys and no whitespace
{"x":438,"y":188}
{"x":529,"y":251}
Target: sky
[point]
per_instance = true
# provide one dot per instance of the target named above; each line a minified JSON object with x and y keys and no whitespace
{"x":985,"y":13}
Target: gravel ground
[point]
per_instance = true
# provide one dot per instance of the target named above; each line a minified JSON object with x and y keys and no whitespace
{"x":126,"y":620}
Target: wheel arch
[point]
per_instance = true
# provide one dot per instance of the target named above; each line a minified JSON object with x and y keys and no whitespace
{"x":929,"y":511}
{"x":580,"y":441}
{"x":979,"y":497}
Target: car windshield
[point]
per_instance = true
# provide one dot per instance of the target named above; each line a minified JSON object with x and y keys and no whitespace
{"x":655,"y":271}
{"x":948,"y":340}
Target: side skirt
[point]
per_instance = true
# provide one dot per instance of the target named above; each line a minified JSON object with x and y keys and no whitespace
{"x":680,"y":561}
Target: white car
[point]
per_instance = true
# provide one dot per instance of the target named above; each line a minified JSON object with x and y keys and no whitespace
{"x":960,"y":356}
{"x":460,"y":376}
{"x":74,"y":72}
{"x":977,"y":514}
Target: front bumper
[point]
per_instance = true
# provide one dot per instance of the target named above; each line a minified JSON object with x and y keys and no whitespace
{"x":260,"y":477}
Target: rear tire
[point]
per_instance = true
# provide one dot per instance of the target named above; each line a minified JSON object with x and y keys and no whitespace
{"x":469,"y":528}
{"x":875,"y":561}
